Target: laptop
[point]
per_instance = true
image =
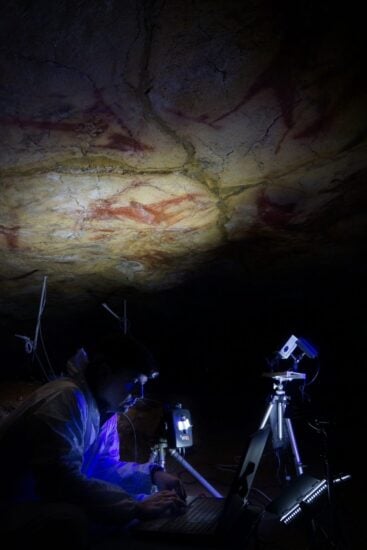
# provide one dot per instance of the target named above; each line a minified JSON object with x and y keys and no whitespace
{"x":215,"y":520}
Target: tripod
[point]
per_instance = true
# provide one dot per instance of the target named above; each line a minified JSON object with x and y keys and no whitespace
{"x":158,"y":455}
{"x":281,"y":425}
{"x":179,"y":436}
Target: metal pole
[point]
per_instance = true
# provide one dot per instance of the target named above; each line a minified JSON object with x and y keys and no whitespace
{"x":193,"y":472}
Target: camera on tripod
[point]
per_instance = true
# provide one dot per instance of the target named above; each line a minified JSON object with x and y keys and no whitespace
{"x":276,"y":413}
{"x":297,"y":348}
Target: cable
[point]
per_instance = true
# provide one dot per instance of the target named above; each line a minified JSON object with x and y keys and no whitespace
{"x":45,"y":352}
{"x":261,"y":493}
{"x":41,"y":365}
{"x":134,"y":434}
{"x":40,"y":311}
{"x":315,"y":375}
{"x":143,"y":399}
{"x":186,"y":482}
{"x":226,"y":467}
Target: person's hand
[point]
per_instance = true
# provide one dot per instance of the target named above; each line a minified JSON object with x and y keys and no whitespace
{"x":165,"y":481}
{"x":159,"y":503}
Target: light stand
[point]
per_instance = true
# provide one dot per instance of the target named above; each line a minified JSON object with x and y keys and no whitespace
{"x":179,"y":436}
{"x":158,"y":455}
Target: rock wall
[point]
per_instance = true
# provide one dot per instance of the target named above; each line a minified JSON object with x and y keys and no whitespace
{"x":138,"y":139}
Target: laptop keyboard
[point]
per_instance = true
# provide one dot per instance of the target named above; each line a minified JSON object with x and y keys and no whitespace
{"x":201,"y":516}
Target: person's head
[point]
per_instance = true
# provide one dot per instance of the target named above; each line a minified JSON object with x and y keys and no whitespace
{"x":113,"y":369}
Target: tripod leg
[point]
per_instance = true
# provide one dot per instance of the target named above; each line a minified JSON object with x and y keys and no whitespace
{"x":293,"y":443}
{"x":280,"y":411}
{"x":267,"y":415}
{"x":193,"y":472}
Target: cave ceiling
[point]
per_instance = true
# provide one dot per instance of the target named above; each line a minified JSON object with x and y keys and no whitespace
{"x":142,"y":141}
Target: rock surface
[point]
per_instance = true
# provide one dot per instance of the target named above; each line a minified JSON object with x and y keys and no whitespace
{"x":138,"y":140}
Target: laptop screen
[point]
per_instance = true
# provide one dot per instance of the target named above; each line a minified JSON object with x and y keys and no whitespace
{"x":237,"y":498}
{"x":249,"y":463}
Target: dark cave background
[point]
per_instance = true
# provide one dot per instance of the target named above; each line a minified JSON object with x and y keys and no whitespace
{"x":214,"y":337}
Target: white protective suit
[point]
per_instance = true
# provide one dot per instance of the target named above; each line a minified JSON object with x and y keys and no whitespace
{"x":53,"y":448}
